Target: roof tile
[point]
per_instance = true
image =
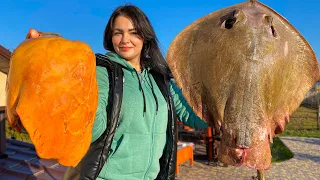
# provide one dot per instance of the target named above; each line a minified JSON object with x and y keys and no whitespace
{"x":23,"y":163}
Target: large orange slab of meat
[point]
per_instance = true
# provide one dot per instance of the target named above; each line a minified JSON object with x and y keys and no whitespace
{"x":52,"y":91}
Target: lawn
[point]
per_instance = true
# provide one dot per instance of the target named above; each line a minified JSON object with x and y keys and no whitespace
{"x":279,"y":151}
{"x":303,"y":123}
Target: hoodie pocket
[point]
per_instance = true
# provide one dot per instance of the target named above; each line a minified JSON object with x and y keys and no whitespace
{"x":131,"y":154}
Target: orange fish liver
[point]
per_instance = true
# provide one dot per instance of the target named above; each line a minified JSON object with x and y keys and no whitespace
{"x":52,"y":89}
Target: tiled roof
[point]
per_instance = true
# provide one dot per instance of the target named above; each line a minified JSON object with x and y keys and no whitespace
{"x":23,"y":163}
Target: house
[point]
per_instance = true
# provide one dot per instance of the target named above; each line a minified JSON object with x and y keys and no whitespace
{"x":4,"y":67}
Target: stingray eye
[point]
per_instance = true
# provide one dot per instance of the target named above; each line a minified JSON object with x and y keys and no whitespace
{"x":268,"y":20}
{"x":274,"y":32}
{"x":229,"y":23}
{"x":233,"y":17}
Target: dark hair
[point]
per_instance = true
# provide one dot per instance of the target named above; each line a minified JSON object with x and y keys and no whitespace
{"x":151,"y":55}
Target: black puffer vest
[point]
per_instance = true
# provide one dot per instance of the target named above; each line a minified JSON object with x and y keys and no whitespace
{"x":91,"y":164}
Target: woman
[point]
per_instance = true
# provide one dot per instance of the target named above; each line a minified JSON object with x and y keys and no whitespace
{"x":142,"y":147}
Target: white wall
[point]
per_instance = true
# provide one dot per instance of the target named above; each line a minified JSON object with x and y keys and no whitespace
{"x":3,"y":78}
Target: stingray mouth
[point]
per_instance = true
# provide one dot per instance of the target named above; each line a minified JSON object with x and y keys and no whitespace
{"x":233,"y":156}
{"x":240,"y":155}
{"x":257,"y":157}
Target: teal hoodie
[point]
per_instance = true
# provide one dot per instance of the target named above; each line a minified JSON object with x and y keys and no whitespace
{"x":140,"y":138}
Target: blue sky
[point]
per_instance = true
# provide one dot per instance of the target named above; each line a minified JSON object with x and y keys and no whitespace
{"x":85,"y":20}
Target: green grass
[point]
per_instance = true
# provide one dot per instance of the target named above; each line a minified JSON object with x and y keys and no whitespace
{"x":279,"y":151}
{"x":303,"y":123}
{"x":13,"y":134}
{"x":301,"y":133}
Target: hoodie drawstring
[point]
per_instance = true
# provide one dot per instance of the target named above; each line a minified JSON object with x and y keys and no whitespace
{"x":154,"y":94}
{"x":144,"y":98}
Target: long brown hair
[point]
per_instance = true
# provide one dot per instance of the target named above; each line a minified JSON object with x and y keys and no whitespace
{"x":151,"y":55}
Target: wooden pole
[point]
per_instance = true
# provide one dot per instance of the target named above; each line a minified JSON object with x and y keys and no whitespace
{"x":260,"y":174}
{"x":209,"y":144}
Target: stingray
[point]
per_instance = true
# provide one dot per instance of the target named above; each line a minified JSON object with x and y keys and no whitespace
{"x":243,"y":69}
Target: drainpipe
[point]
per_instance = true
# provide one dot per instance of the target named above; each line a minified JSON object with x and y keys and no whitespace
{"x":2,"y":133}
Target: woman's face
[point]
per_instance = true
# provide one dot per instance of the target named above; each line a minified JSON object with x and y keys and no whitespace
{"x":125,"y":39}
